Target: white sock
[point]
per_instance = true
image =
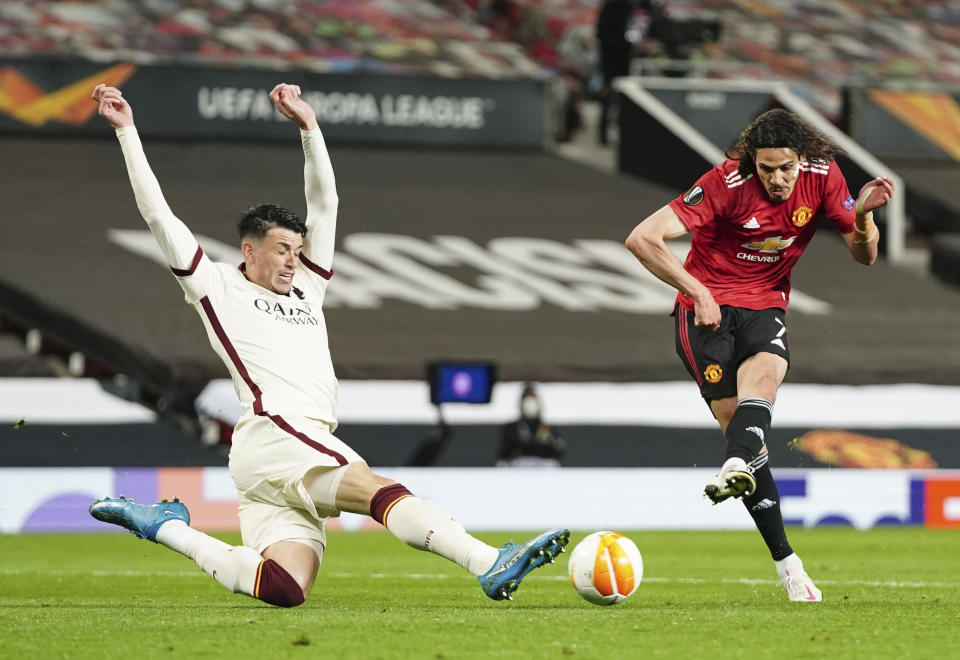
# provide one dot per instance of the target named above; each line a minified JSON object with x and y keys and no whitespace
{"x":235,"y":567}
{"x":422,"y":524}
{"x":790,"y":563}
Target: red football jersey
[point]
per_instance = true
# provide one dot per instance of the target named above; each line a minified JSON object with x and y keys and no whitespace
{"x":745,"y":244}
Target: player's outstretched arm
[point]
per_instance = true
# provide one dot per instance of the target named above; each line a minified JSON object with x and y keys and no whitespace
{"x":647,"y":242}
{"x":319,"y":183}
{"x":865,"y":237}
{"x":178,"y":244}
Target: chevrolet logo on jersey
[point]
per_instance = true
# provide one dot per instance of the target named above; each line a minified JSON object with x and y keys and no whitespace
{"x":770,"y":245}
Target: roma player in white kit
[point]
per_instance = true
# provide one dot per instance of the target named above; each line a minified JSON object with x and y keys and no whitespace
{"x":265,"y":322}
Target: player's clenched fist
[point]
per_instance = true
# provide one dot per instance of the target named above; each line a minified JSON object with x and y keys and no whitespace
{"x":113,"y":107}
{"x":286,"y":99}
{"x":874,"y":194}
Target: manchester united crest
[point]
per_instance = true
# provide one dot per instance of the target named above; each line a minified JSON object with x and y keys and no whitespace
{"x":713,"y":373}
{"x":802,"y":216}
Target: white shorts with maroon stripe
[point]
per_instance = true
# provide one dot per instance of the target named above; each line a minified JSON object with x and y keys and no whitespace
{"x":269,"y":459}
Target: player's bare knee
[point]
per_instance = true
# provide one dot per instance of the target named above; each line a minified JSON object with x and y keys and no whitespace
{"x":760,"y":376}
{"x":299,"y":561}
{"x":765,"y":388}
{"x":305,"y":587}
{"x":304,"y":579}
{"x":276,"y":586}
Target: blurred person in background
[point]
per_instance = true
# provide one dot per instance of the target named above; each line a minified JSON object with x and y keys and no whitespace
{"x":752,"y":216}
{"x":529,"y":441}
{"x":615,"y":53}
{"x":264,"y":320}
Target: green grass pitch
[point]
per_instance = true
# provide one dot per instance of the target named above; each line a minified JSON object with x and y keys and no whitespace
{"x":888,"y":593}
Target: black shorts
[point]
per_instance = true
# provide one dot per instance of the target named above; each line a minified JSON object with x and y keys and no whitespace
{"x":713,"y":356}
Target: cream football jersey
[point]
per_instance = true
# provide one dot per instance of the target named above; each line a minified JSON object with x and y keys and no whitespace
{"x":275,"y":346}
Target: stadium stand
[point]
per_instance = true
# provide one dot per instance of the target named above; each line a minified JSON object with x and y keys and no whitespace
{"x":343,"y":36}
{"x":821,"y":45}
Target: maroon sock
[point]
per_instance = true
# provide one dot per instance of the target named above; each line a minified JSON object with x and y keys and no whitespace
{"x":277,"y":587}
{"x":385,"y":498}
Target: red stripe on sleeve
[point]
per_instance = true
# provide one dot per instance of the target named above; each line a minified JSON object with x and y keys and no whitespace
{"x":180,"y":272}
{"x":325,"y":274}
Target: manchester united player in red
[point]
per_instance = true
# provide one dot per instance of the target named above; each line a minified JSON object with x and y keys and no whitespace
{"x":751,"y":217}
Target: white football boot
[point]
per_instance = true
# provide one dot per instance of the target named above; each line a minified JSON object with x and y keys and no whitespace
{"x":794,"y":579}
{"x":735,"y":479}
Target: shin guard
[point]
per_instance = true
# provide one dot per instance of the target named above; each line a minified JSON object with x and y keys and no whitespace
{"x":747,"y":431}
{"x":764,"y":507}
{"x":424,"y":525}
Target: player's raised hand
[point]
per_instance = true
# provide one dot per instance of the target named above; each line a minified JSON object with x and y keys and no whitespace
{"x":874,"y":194}
{"x":113,"y":107}
{"x":286,"y":99}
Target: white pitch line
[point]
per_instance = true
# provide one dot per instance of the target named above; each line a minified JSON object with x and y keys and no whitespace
{"x":100,"y":573}
{"x":862,"y":583}
{"x":445,"y":576}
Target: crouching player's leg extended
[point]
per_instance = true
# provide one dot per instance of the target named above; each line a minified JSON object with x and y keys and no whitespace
{"x":292,"y":540}
{"x":422,"y":524}
{"x":238,"y":568}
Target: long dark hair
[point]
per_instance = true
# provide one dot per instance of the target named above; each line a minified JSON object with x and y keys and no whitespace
{"x":779,"y":129}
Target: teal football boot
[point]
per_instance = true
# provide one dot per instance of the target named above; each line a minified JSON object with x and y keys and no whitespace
{"x":142,"y":520}
{"x":515,"y":561}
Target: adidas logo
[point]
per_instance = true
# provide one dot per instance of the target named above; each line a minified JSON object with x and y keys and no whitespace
{"x":757,"y":430}
{"x":752,"y":223}
{"x":763,"y":504}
